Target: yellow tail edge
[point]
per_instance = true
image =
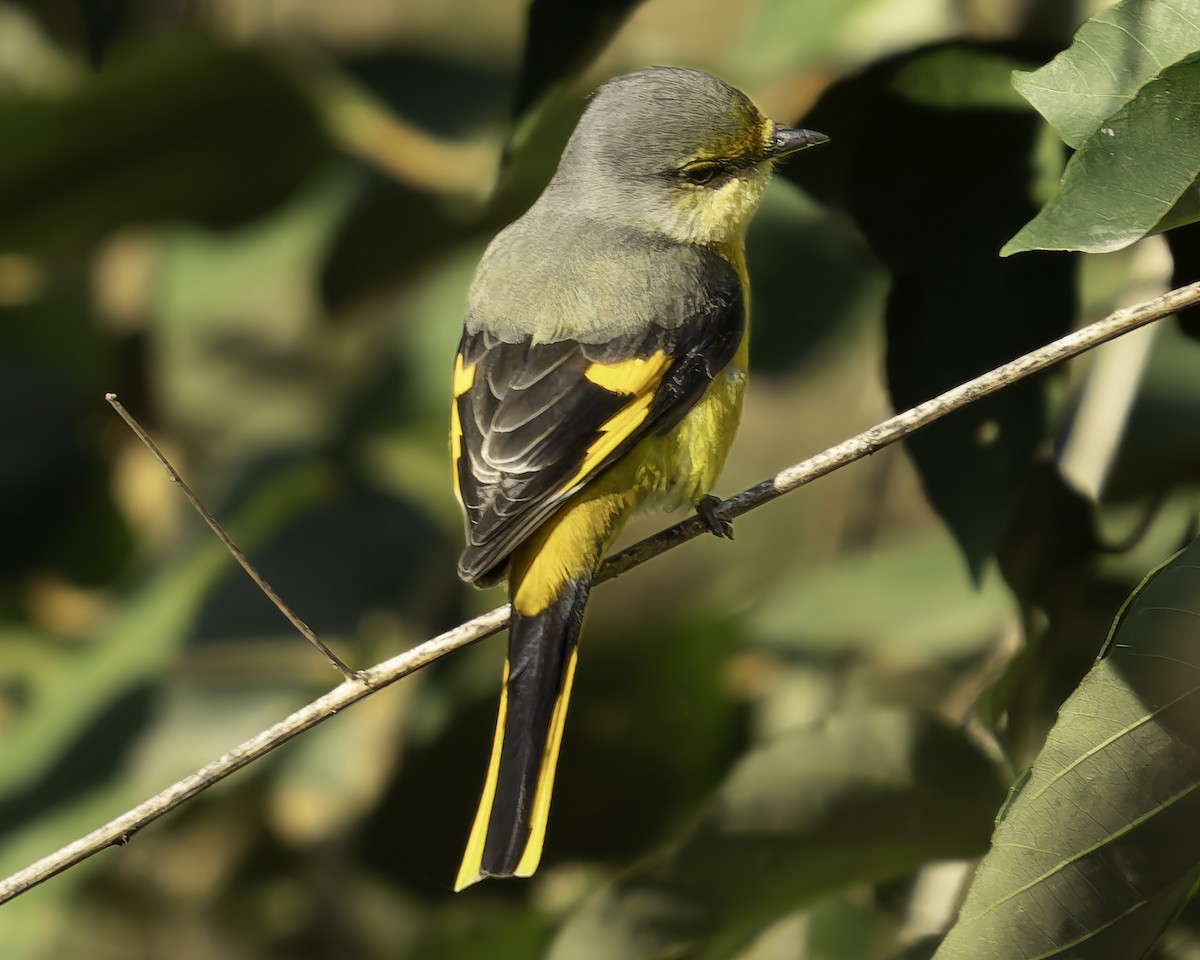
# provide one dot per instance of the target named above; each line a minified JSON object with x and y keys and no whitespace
{"x":471,"y":871}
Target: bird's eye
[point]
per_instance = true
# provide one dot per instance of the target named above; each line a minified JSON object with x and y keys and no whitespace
{"x":701,"y":172}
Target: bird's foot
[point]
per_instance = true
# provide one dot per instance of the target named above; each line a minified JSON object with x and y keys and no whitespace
{"x":706,"y":510}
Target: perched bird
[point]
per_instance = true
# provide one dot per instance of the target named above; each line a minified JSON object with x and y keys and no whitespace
{"x":601,"y":367}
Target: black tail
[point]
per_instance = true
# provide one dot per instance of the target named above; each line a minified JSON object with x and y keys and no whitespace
{"x":510,"y":825}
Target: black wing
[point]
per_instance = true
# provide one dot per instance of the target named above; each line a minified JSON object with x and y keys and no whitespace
{"x":533,"y":422}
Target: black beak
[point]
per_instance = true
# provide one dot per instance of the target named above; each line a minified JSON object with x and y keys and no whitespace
{"x":786,"y":140}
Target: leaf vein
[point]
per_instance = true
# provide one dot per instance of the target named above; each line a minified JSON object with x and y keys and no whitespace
{"x":1132,"y":36}
{"x":1074,"y":857}
{"x":1124,"y":731}
{"x":1190,"y":613}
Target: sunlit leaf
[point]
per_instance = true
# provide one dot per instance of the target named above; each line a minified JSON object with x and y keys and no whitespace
{"x":1110,"y":58}
{"x":1128,"y":174}
{"x":1099,"y":846}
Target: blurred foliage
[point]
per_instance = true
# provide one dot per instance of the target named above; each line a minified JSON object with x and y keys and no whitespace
{"x":800,"y":810}
{"x":256,"y":224}
{"x":954,"y":309}
{"x":178,"y":130}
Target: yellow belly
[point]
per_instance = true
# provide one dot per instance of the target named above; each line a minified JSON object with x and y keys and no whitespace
{"x":691,"y":456}
{"x":681,"y":466}
{"x":693,"y":453}
{"x":667,"y":471}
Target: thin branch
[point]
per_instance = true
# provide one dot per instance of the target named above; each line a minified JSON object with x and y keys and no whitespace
{"x":120,"y":830}
{"x":304,"y":629}
{"x":902,"y":424}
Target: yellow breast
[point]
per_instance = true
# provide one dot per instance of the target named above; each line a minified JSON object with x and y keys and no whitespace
{"x":681,"y":466}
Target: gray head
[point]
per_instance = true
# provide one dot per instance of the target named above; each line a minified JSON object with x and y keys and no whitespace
{"x":673,"y":151}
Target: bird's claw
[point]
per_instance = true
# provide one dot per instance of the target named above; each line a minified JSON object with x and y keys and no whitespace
{"x":706,"y":509}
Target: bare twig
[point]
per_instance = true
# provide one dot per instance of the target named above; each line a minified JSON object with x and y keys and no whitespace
{"x":118,"y":831}
{"x":902,"y":424}
{"x":295,"y":621}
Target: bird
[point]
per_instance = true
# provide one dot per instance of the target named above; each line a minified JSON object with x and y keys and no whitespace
{"x":601,"y":369}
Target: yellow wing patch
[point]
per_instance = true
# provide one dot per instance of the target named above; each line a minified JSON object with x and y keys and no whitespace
{"x":629,"y":376}
{"x":612,"y":433}
{"x":464,"y":377}
{"x":637,"y":377}
{"x":456,"y":435}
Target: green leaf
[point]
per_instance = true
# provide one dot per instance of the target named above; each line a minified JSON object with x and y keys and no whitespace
{"x":1185,"y":268}
{"x":859,"y":797}
{"x":561,"y":39}
{"x":82,"y":706}
{"x":1120,"y":94}
{"x":1128,"y":174}
{"x":794,"y":244}
{"x":959,"y":77}
{"x":923,"y":606}
{"x":373,"y":249}
{"x":1109,"y":60}
{"x":1100,"y":849}
{"x":501,"y":934}
{"x":179,"y":129}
